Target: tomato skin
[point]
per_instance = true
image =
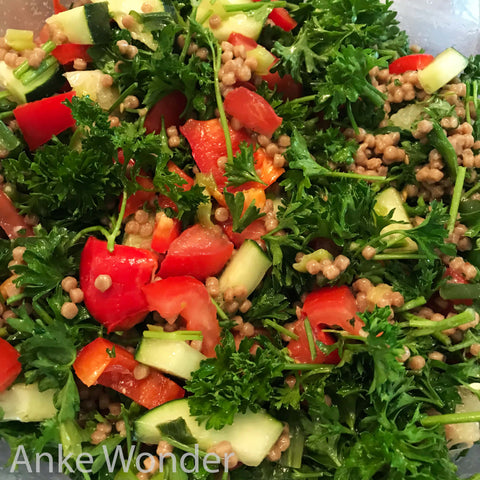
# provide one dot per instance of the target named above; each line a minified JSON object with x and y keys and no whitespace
{"x":11,"y":367}
{"x":300,"y":351}
{"x":187,"y":297}
{"x":94,"y":366}
{"x":417,"y":61}
{"x":165,"y":232}
{"x":254,"y":231}
{"x":123,"y":305}
{"x":281,"y":18}
{"x":11,"y":222}
{"x":140,"y":197}
{"x":189,"y":181}
{"x":58,"y":7}
{"x":237,"y":39}
{"x":170,"y":108}
{"x":330,"y":306}
{"x":207,"y":141}
{"x":68,"y":52}
{"x":286,"y":85}
{"x":199,"y":251}
{"x":39,"y":121}
{"x":252,"y":110}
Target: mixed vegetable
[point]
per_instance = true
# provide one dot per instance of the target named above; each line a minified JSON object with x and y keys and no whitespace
{"x":241,"y":228}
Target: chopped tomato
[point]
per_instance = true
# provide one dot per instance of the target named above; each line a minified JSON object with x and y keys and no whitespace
{"x":69,"y":52}
{"x":123,"y":304}
{"x":138,"y":199}
{"x":456,"y":277}
{"x":237,"y":39}
{"x":254,"y":231}
{"x":207,"y":140}
{"x":333,"y":306}
{"x":187,"y":297}
{"x":165,"y":232}
{"x":102,"y":362}
{"x":417,"y":61}
{"x":11,"y":222}
{"x":170,"y":108}
{"x":175,"y":169}
{"x":199,"y":251}
{"x":300,"y":350}
{"x":39,"y":121}
{"x":58,"y":7}
{"x":252,"y":110}
{"x":286,"y":85}
{"x":281,"y":18}
{"x":11,"y":367}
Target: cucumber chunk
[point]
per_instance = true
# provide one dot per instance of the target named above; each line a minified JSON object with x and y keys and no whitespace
{"x":26,"y":403}
{"x":174,"y":357}
{"x":246,"y":268}
{"x":252,"y":435}
{"x":86,"y":25}
{"x":447,"y":65}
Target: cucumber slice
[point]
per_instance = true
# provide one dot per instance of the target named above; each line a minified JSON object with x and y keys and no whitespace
{"x":447,"y":65}
{"x":246,"y":268}
{"x":86,"y":25}
{"x":26,"y":403}
{"x":252,"y":435}
{"x":174,"y":357}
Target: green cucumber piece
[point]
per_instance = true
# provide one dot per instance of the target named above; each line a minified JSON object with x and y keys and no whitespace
{"x":25,"y":403}
{"x":246,"y":268}
{"x":86,"y":25}
{"x":447,"y":65}
{"x":174,"y":357}
{"x":252,"y":435}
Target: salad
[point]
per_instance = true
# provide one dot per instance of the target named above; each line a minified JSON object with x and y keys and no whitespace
{"x":239,"y":239}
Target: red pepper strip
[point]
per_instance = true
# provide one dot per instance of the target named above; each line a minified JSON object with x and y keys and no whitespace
{"x":69,"y":52}
{"x":417,"y":61}
{"x":11,"y":367}
{"x":58,"y":7}
{"x":281,"y":18}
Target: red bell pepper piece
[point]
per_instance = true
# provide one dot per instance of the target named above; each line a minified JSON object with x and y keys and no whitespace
{"x":11,"y":222}
{"x":417,"y":61}
{"x":69,"y":52}
{"x":199,"y":251}
{"x":300,"y":350}
{"x":11,"y":367}
{"x":102,"y":362}
{"x":58,"y":7}
{"x":237,"y":39}
{"x":207,"y":140}
{"x":170,"y":108}
{"x":331,"y":306}
{"x":123,"y":304}
{"x":138,"y":199}
{"x":189,"y":181}
{"x":187,"y":297}
{"x":39,"y":121}
{"x":165,"y":232}
{"x":252,"y":110}
{"x":281,"y":18}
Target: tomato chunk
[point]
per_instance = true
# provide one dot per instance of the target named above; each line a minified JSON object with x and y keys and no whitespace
{"x":254,"y":231}
{"x":252,"y":110}
{"x":170,"y":108}
{"x":11,"y":222}
{"x":286,"y":85}
{"x":39,"y":121}
{"x":281,"y":18}
{"x":417,"y":61}
{"x":165,"y":232}
{"x":11,"y":367}
{"x":333,"y":306}
{"x":199,"y":251}
{"x":300,"y":350}
{"x":69,"y":52}
{"x":101,"y":362}
{"x":187,"y":297}
{"x":237,"y":39}
{"x":123,"y":304}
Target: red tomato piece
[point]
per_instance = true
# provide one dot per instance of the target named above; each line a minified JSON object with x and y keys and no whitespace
{"x":138,"y":199}
{"x":237,"y":39}
{"x":199,"y":251}
{"x":11,"y":367}
{"x":166,"y":231}
{"x":417,"y":61}
{"x":187,"y":297}
{"x":175,"y":169}
{"x":254,"y":231}
{"x":68,"y":52}
{"x":58,"y":7}
{"x":331,"y":306}
{"x":300,"y":350}
{"x":170,"y":108}
{"x":252,"y":110}
{"x":286,"y":85}
{"x":95,"y":365}
{"x":281,"y":18}
{"x":123,"y":304}
{"x":207,"y":141}
{"x":39,"y":121}
{"x":11,"y":222}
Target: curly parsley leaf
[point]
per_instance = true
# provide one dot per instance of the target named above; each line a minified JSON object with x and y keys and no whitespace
{"x":240,"y":219}
{"x":242,"y":169}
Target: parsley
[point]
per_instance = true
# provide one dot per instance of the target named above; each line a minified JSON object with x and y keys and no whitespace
{"x":242,"y":169}
{"x":241,"y":219}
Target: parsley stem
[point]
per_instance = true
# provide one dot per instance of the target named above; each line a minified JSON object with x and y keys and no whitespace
{"x":306,"y":367}
{"x":416,"y":302}
{"x":130,"y":89}
{"x":399,"y":256}
{"x":87,"y":230}
{"x":439,"y":140}
{"x":473,"y":190}
{"x":310,"y":338}
{"x":220,"y":312}
{"x":463,"y":417}
{"x":118,"y":225}
{"x":182,"y":446}
{"x":280,"y":329}
{"x":306,"y":99}
{"x":188,"y":37}
{"x":428,"y":327}
{"x":355,"y":176}
{"x":181,"y":335}
{"x":457,"y":195}
{"x":351,"y":117}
